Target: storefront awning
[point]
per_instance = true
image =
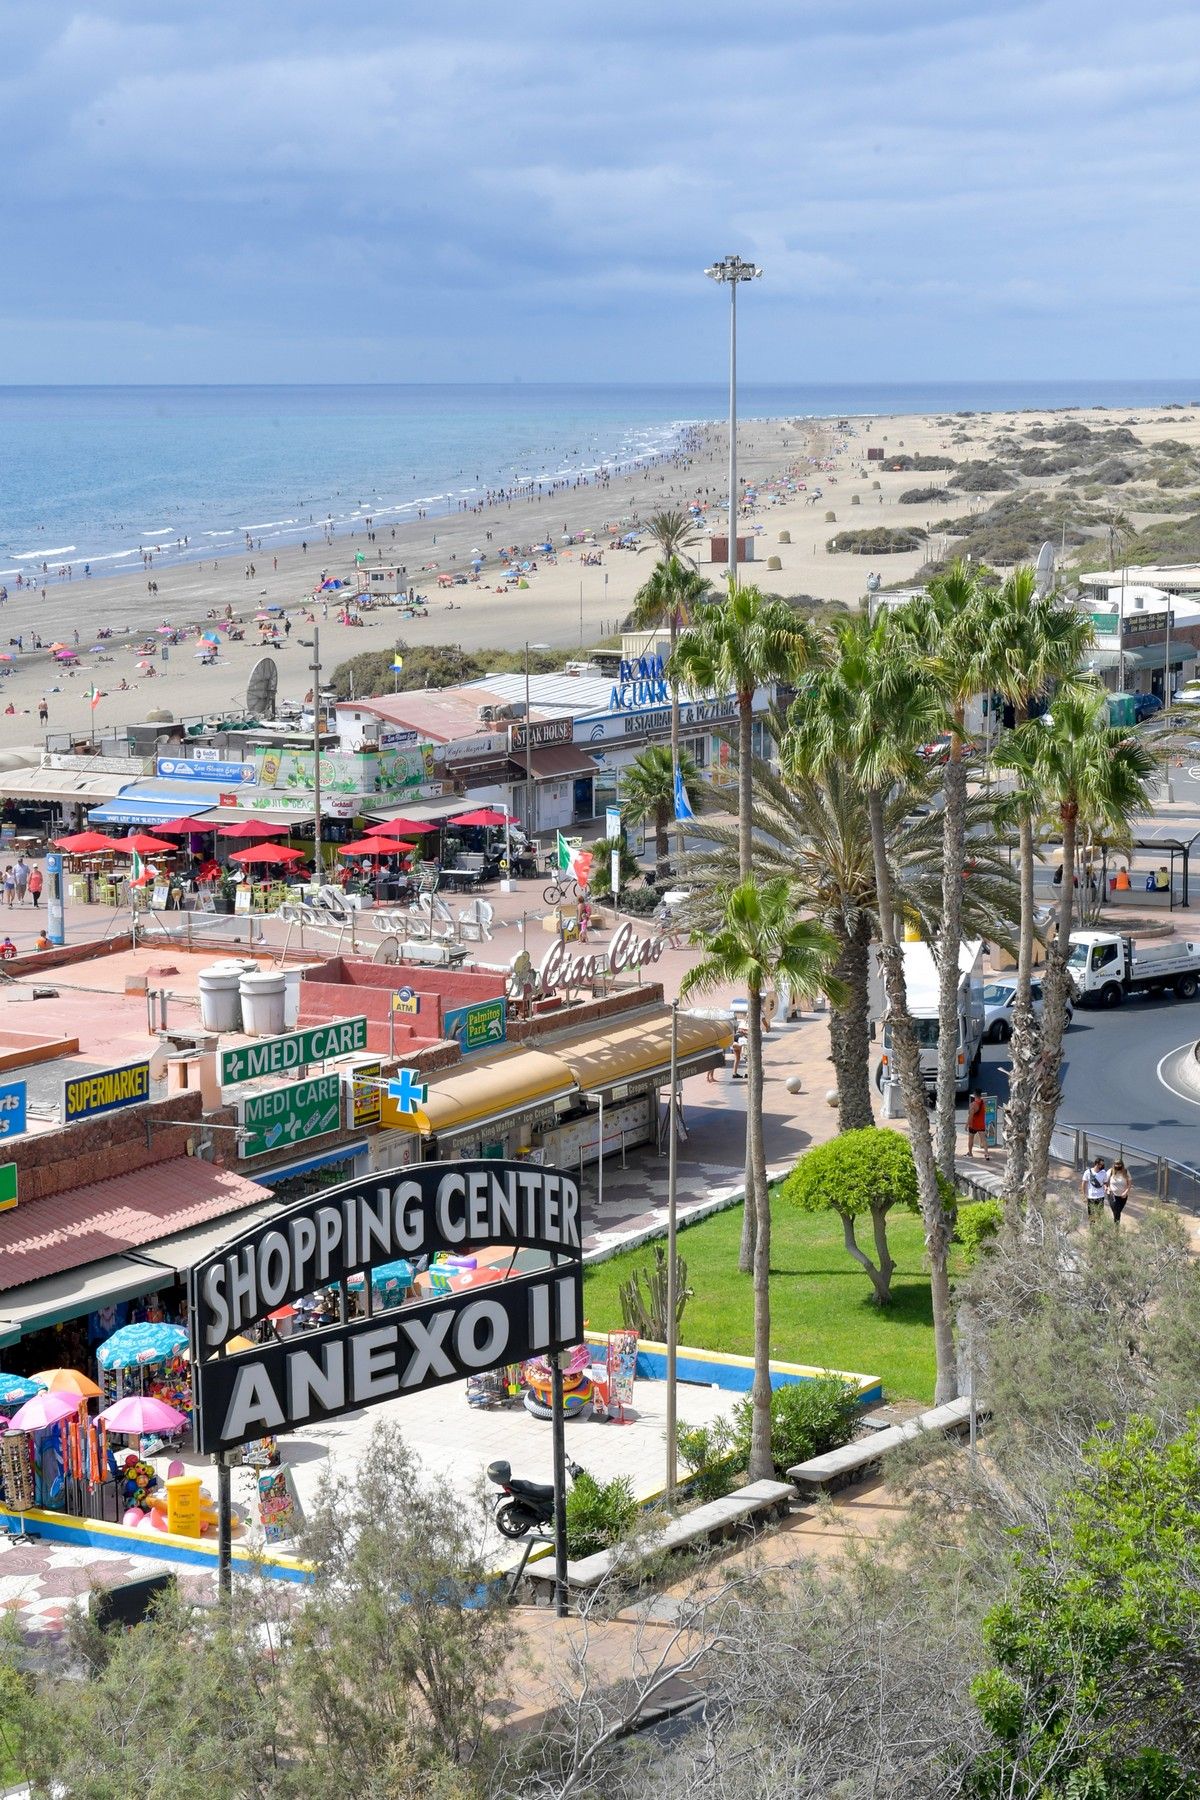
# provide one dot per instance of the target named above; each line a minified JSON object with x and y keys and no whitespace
{"x":72,"y":1230}
{"x":483,"y":1091}
{"x":432,"y":811}
{"x":57,"y":1298}
{"x":639,"y":1049}
{"x":558,"y":762}
{"x":68,"y":786}
{"x":154,"y":802}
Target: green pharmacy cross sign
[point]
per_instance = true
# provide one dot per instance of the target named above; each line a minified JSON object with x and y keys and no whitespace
{"x":290,"y":1115}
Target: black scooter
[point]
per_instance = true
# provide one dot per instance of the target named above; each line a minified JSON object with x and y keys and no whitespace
{"x":523,"y":1505}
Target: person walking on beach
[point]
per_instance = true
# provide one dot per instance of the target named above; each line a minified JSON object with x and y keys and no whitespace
{"x":1095,"y":1189}
{"x":36,"y":879}
{"x":1119,"y":1185}
{"x":21,"y":879}
{"x":43,"y":711}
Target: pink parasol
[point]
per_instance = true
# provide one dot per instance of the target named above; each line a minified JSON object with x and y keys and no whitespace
{"x":44,"y":1410}
{"x":138,"y":1413}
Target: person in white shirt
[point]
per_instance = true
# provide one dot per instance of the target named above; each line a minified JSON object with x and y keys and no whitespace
{"x":1095,"y":1188}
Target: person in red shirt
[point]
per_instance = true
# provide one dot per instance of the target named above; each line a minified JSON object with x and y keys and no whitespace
{"x":977,"y":1125}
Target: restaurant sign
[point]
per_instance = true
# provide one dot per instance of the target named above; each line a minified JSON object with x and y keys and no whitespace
{"x":278,"y":1387}
{"x":559,"y":969}
{"x":87,"y":1096}
{"x":283,"y":1055}
{"x":290,"y":1115}
{"x":478,"y":1027}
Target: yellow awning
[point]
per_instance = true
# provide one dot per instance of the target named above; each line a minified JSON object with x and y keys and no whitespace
{"x":486,"y":1088}
{"x":637,"y":1048}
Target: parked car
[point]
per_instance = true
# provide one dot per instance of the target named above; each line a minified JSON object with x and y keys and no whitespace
{"x":999,"y":999}
{"x":1145,"y":706}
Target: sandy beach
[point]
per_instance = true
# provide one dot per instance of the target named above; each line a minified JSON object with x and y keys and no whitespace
{"x":568,"y":604}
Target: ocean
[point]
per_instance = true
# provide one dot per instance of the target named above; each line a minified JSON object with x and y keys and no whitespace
{"x":96,"y":475}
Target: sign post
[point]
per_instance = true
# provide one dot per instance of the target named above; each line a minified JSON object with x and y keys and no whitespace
{"x":55,"y":915}
{"x":558,"y":1431}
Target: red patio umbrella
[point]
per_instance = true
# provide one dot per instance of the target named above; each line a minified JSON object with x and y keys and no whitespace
{"x":400,"y":828}
{"x":178,"y":826}
{"x":85,"y":843}
{"x":252,"y":828}
{"x":267,"y":853}
{"x":485,"y":815}
{"x":369,"y":846}
{"x":140,"y":843}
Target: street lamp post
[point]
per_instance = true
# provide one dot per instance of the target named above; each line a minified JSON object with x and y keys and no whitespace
{"x":731,"y":270}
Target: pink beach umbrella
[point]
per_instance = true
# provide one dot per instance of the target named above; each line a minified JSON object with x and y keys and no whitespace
{"x":45,"y":1410}
{"x":138,"y":1413}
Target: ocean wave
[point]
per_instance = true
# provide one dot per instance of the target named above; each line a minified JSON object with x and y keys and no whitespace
{"x":42,"y":555}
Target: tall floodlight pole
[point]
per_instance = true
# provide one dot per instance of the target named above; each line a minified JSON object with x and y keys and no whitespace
{"x":731,"y":270}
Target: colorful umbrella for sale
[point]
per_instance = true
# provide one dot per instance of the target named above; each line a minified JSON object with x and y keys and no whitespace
{"x":144,"y":1342}
{"x":252,"y":828}
{"x":66,"y":1381}
{"x":43,"y":1411}
{"x":267,"y":853}
{"x":140,"y":1413}
{"x":85,"y":843}
{"x":15,"y":1388}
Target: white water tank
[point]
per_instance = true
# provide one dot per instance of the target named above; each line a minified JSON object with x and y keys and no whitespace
{"x":291,"y":998}
{"x":264,"y":1000}
{"x":220,"y":1000}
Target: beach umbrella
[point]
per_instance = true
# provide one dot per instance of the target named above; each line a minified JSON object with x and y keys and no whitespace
{"x":66,"y":1381}
{"x":164,"y":630}
{"x":85,"y":843}
{"x":239,"y":1343}
{"x":252,"y":828}
{"x":400,"y":828}
{"x":140,"y":843}
{"x":15,"y":1388}
{"x":483,"y":815}
{"x":139,"y":1413}
{"x":374,"y":847}
{"x":144,"y":1342}
{"x":267,"y":853}
{"x":5,"y":657}
{"x":44,"y":1410}
{"x":55,"y":648}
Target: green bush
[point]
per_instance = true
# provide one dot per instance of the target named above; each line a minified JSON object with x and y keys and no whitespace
{"x":877,"y":540}
{"x":982,"y":478}
{"x":807,"y":1419}
{"x":709,"y":1452}
{"x":598,"y":1516}
{"x":640,"y":902}
{"x":923,"y":496}
{"x":978,"y":1221}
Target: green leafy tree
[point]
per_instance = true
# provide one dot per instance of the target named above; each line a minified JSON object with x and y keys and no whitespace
{"x":648,"y":792}
{"x":1094,"y":1688}
{"x":861,"y":1175}
{"x":760,"y":943}
{"x":870,"y":711}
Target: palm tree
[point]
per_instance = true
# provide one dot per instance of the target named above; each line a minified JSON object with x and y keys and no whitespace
{"x":1034,"y":642}
{"x":672,"y":593}
{"x":811,"y":828}
{"x":759,"y":943}
{"x":1092,"y":776}
{"x":673,"y":532}
{"x":1119,"y":527}
{"x":871,"y":710}
{"x":744,"y":642}
{"x":648,"y":792}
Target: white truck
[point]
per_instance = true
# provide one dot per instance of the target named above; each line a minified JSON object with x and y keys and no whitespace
{"x":1104,"y":966}
{"x":921,"y":981}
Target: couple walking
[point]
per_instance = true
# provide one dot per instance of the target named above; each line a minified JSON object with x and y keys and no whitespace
{"x":1101,"y":1183}
{"x":21,"y":880}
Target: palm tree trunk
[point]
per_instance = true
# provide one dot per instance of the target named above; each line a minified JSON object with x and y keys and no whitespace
{"x":954,"y":831}
{"x":1046,"y":1092}
{"x":662,"y":847}
{"x":746,"y":1260}
{"x":762,"y":1466}
{"x":674,"y":623}
{"x":850,"y":1027}
{"x":908,"y":1058}
{"x":1016,"y":1113}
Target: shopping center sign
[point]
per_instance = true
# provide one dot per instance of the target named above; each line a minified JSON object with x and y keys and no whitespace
{"x":284,"y":1055}
{"x":278,"y":1387}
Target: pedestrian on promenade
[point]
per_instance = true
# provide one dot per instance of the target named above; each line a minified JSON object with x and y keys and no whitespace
{"x":1095,"y":1189}
{"x":1119,"y":1185}
{"x":977,"y":1125}
{"x":36,"y":880}
{"x":21,"y":879}
{"x":43,"y":711}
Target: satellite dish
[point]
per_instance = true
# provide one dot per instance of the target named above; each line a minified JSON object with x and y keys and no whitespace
{"x":1044,"y":569}
{"x":262,"y":688}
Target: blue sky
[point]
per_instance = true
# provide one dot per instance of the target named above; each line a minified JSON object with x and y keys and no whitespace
{"x":242,"y":191}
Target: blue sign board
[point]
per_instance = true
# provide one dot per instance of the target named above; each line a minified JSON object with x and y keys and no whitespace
{"x":187,"y":768}
{"x":478,"y":1027}
{"x":12,"y":1109}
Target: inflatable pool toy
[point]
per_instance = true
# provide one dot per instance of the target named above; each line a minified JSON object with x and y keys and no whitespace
{"x":578,"y":1387}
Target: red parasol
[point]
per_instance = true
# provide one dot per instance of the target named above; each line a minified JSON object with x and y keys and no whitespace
{"x":85,"y":843}
{"x":140,"y":843}
{"x":400,"y":828}
{"x":267,"y":853}
{"x":485,"y":815}
{"x":179,"y":826}
{"x":252,"y":828}
{"x":369,"y":846}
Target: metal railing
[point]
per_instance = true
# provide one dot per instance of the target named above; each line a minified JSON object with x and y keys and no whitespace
{"x":1167,"y":1180}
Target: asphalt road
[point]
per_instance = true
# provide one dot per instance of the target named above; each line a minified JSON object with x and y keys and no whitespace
{"x":1111,"y":1083}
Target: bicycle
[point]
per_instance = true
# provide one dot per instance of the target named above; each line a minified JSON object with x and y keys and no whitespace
{"x":563,"y":887}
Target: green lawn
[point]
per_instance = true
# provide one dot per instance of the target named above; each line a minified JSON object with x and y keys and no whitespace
{"x":821,"y":1310}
